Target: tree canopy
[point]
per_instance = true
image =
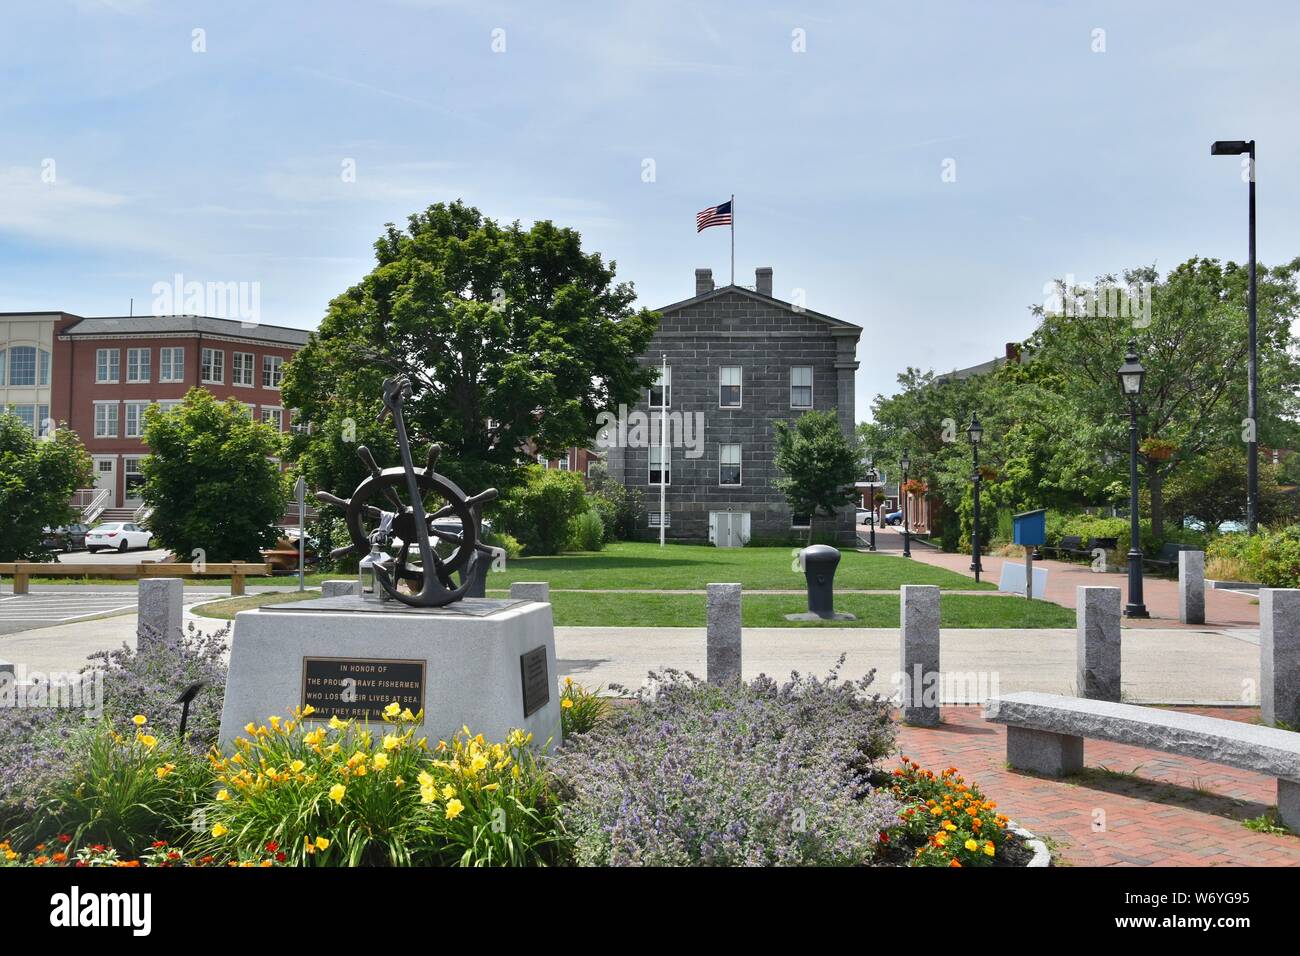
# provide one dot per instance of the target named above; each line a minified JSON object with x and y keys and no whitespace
{"x":818,"y":465}
{"x":37,"y":479}
{"x":515,"y":338}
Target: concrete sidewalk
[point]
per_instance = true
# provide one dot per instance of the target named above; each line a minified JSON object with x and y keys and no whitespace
{"x":1160,"y":665}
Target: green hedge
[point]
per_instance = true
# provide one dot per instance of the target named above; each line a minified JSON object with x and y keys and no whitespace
{"x":1271,"y":558}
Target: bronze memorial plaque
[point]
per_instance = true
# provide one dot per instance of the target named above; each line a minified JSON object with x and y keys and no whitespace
{"x":350,"y":687}
{"x":537,"y":683}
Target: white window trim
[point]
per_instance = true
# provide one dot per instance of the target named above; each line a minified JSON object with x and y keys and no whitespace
{"x":739,"y":464}
{"x":203,"y":377}
{"x":271,"y":360}
{"x":666,"y":373}
{"x":139,"y":417}
{"x":148,"y":360}
{"x":174,"y":350}
{"x":812,"y":395}
{"x":650,"y":466}
{"x":117,"y":420}
{"x":740,"y":385}
{"x":799,"y":527}
{"x":116,"y":368}
{"x":252,"y":371}
{"x":272,"y":408}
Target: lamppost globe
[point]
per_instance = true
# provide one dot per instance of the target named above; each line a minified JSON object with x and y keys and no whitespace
{"x":1131,"y":373}
{"x":975,"y":431}
{"x":905,"y":463}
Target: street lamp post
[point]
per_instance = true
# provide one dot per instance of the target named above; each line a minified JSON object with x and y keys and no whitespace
{"x":1236,"y":147}
{"x":975,"y":432}
{"x":905,"y":463}
{"x":871,"y":477}
{"x":1130,"y":379}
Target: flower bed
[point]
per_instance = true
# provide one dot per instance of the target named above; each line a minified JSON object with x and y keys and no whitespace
{"x":690,"y":774}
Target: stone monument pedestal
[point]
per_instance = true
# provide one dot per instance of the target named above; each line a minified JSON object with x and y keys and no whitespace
{"x":483,"y":663}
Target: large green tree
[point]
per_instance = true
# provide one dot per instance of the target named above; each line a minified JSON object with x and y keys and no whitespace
{"x":818,"y":465}
{"x":37,"y":479}
{"x":1193,"y":345}
{"x":212,"y":479}
{"x":513,"y":337}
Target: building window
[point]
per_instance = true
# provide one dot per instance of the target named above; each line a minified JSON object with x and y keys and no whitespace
{"x":132,"y":477}
{"x":654,"y":517}
{"x":563,"y":463}
{"x":272,"y":371}
{"x":273,"y":416}
{"x":241,"y":368}
{"x":661,"y":391}
{"x":800,"y":522}
{"x":27,"y":414}
{"x":250,"y":411}
{"x":108,"y":366}
{"x":541,"y":460}
{"x":3,"y":355}
{"x":166,"y":406}
{"x":139,"y":365}
{"x":801,"y":384}
{"x":22,"y":365}
{"x":658,"y":476}
{"x":296,"y":425}
{"x":44,"y":358}
{"x":135,"y":419}
{"x":44,"y":424}
{"x":729,"y":386}
{"x":106,"y":419}
{"x":214,"y":366}
{"x":728,"y":464}
{"x":171,"y":365}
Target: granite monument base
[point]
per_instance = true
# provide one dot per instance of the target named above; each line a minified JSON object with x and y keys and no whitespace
{"x":486,"y":664}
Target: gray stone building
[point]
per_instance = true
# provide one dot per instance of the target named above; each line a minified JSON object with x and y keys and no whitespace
{"x":738,"y":360}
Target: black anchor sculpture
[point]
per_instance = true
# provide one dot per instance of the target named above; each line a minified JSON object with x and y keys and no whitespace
{"x":407,"y":522}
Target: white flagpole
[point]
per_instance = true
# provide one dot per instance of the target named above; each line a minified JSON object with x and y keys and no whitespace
{"x":733,"y":238}
{"x":663,"y":444}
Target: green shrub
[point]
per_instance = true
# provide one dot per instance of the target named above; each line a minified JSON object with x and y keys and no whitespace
{"x":506,"y":542}
{"x":125,"y":788}
{"x":1271,"y":558}
{"x":541,"y":510}
{"x":620,"y":509}
{"x":588,"y":532}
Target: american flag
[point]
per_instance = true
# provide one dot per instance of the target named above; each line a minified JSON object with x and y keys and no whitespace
{"x":713,"y":216}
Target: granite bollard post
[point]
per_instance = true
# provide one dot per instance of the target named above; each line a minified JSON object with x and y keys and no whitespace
{"x":1279,"y":656}
{"x":919,"y":662}
{"x":159,"y":606}
{"x":345,"y":587}
{"x":723,"y":616}
{"x":1097,"y":643}
{"x":1191,"y":587}
{"x":538,"y":591}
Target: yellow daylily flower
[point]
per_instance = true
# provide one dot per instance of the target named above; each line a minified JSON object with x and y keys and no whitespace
{"x":322,"y":843}
{"x":392,"y":710}
{"x":379,"y":761}
{"x":139,"y":720}
{"x":337,"y":791}
{"x":223,"y":795}
{"x":297,"y":766}
{"x":220,"y":830}
{"x":454,"y":809}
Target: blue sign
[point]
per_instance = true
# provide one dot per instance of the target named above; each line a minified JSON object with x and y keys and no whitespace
{"x":1031,"y":528}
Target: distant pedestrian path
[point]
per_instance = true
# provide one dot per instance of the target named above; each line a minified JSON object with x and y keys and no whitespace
{"x":23,"y":612}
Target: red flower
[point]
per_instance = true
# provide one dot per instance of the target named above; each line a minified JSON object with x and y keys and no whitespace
{"x":64,"y":838}
{"x":272,"y":846}
{"x":173,"y":855}
{"x":98,"y":847}
{"x":159,"y":844}
{"x":280,"y":857}
{"x":884,"y":837}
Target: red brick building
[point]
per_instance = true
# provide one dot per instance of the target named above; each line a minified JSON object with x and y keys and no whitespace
{"x":105,"y":371}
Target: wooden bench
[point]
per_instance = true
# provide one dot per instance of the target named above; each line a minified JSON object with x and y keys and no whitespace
{"x":1045,"y":734}
{"x":237,"y":571}
{"x":1070,"y":546}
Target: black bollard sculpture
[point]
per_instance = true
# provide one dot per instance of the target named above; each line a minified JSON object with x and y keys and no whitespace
{"x":819,"y":562}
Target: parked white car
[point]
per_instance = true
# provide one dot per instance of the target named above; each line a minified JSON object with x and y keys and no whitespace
{"x":117,"y":536}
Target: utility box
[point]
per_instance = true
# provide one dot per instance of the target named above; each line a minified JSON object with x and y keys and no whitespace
{"x":1030,"y":528}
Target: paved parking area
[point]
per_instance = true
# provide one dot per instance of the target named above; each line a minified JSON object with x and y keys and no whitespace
{"x":26,"y":611}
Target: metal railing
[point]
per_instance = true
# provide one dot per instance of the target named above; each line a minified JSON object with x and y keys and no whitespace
{"x":92,"y":502}
{"x":141,"y":514}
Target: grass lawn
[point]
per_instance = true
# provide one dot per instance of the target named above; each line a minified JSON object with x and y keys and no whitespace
{"x":769,"y":610}
{"x":226,"y":609}
{"x":637,"y":564}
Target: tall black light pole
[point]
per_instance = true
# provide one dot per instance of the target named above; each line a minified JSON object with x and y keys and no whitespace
{"x":1236,"y":147}
{"x":1130,"y":380}
{"x":905,"y":463}
{"x":871,"y":477}
{"x":975,"y":432}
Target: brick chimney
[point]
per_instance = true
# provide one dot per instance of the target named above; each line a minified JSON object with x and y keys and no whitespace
{"x":763,"y":280}
{"x":703,"y":281}
{"x":1013,"y":353}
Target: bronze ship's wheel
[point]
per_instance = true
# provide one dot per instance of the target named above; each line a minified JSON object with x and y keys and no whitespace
{"x":385,"y":491}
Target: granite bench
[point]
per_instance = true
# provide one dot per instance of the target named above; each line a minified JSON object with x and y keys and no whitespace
{"x":1045,"y":735}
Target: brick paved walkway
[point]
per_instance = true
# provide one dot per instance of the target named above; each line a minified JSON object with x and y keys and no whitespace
{"x":1223,"y":609}
{"x":1150,"y":809}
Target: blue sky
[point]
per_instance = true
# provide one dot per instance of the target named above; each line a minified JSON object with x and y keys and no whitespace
{"x":225,"y":165}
